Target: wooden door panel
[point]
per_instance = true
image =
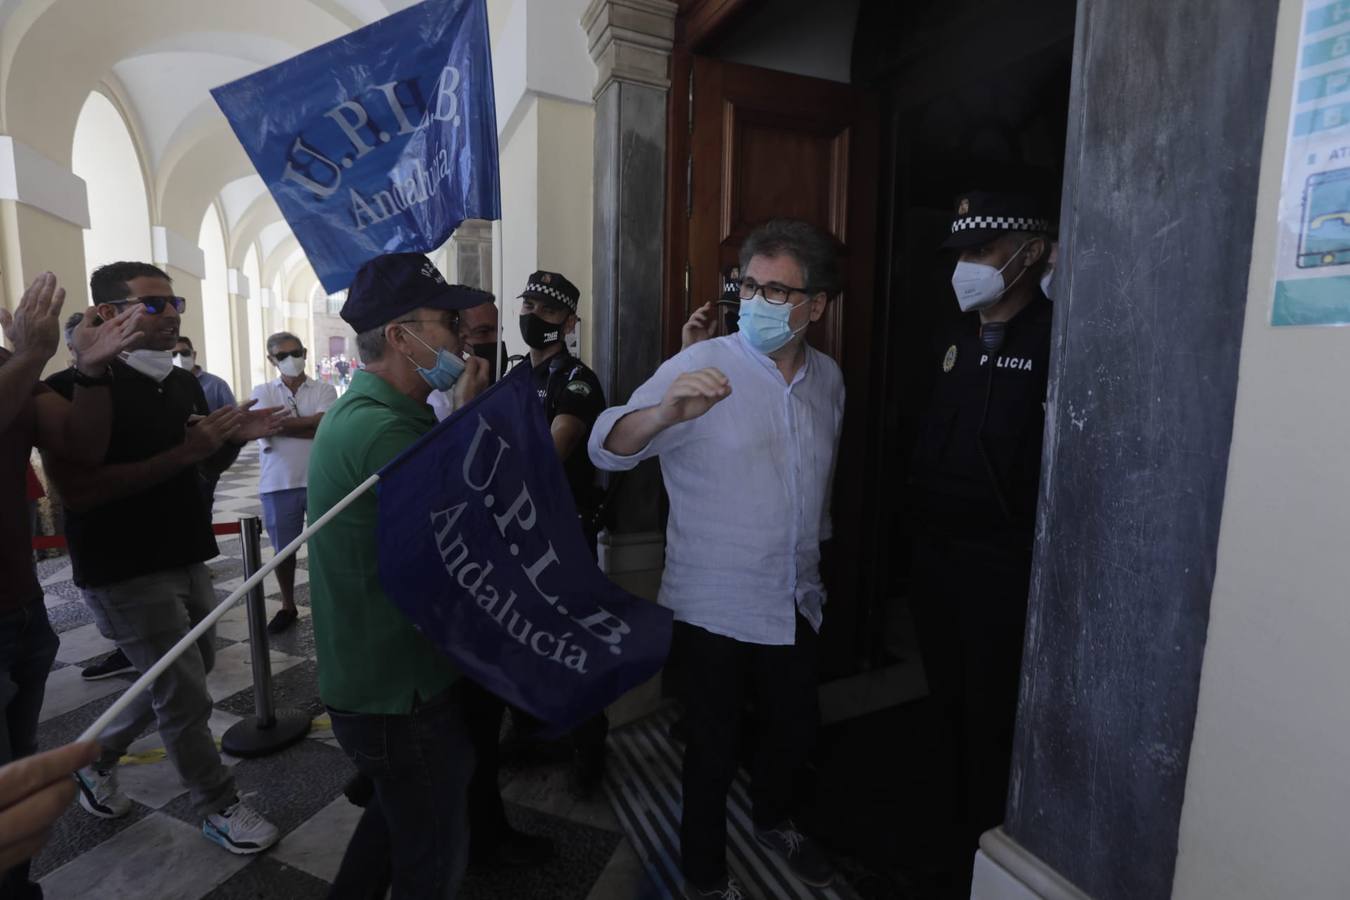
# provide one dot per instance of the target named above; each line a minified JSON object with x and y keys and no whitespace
{"x":777,"y":169}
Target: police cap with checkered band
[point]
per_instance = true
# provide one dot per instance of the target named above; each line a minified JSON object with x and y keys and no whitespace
{"x":552,"y":289}
{"x":983,"y":216}
{"x":395,"y":284}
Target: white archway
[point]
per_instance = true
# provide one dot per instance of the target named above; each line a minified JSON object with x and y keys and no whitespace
{"x":105,"y":156}
{"x":218,"y":354}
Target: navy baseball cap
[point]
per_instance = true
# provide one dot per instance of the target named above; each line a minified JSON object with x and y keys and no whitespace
{"x":395,"y":284}
{"x":982,"y":216}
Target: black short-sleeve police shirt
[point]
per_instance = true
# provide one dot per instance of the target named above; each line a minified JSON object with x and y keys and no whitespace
{"x":567,"y":386}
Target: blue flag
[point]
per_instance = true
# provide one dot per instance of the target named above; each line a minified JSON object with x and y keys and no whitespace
{"x":481,"y":547}
{"x":378,"y":142}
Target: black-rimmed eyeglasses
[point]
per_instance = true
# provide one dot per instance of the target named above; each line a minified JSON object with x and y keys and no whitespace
{"x":773,"y":292}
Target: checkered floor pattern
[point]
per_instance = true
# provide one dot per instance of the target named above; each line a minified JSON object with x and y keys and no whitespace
{"x":158,"y":851}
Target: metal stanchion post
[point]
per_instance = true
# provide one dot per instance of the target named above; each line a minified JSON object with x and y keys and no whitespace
{"x":271,"y":729}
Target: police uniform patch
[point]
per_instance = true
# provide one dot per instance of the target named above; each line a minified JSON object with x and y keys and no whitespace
{"x":579,"y":387}
{"x":963,"y":207}
{"x":949,"y":361}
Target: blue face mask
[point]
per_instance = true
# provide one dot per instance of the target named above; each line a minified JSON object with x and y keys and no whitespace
{"x":764,"y":325}
{"x":445,"y":373}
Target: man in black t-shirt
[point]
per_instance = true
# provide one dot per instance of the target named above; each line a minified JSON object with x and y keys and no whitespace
{"x":139,"y":533}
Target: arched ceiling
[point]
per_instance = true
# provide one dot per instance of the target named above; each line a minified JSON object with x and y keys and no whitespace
{"x":160,"y":60}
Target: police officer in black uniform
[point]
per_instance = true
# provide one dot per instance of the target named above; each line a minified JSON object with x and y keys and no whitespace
{"x":974,"y":480}
{"x":572,"y":399}
{"x":569,"y":390}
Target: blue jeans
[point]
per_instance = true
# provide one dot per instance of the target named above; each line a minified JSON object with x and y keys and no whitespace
{"x":27,"y":649}
{"x":418,"y":818}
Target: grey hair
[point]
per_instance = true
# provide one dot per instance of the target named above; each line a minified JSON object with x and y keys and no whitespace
{"x":814,"y":250}
{"x":280,"y":338}
{"x":370,"y":345}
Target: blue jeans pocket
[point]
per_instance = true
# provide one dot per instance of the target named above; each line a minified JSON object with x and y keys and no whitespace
{"x":364,"y":738}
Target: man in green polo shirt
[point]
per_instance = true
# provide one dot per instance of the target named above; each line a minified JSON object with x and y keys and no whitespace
{"x":390,"y":693}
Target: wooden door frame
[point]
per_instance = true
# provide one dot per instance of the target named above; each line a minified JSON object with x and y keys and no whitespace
{"x":698,"y":23}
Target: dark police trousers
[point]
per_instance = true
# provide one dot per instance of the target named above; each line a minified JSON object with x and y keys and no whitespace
{"x":718,"y":676}
{"x":970,"y":604}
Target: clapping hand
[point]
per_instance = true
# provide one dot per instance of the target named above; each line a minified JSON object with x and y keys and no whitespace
{"x":97,"y":345}
{"x":34,"y":328}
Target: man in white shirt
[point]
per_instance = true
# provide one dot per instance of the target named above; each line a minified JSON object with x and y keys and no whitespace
{"x":747,"y":429}
{"x":285,"y":458}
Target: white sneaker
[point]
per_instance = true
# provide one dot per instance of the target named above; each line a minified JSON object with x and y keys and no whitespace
{"x":240,"y":829}
{"x":99,"y":794}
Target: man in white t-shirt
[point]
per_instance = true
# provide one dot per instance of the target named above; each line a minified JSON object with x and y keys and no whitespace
{"x":285,"y":457}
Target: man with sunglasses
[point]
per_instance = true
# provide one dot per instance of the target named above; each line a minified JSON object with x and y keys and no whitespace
{"x":747,"y":429}
{"x":140,"y":534}
{"x":394,"y":699}
{"x":285,"y":457}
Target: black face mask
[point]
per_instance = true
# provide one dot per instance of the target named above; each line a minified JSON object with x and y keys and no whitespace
{"x":538,"y":333}
{"x":488,"y":351}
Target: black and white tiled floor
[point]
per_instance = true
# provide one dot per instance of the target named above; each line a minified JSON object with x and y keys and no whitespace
{"x":158,"y":851}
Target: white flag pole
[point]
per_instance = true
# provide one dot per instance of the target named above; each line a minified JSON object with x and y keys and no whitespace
{"x":147,"y":679}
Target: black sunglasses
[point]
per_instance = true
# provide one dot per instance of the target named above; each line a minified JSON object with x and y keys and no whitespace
{"x":155,"y":305}
{"x":287,"y":354}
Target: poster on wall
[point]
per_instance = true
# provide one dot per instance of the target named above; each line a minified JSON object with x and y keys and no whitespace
{"x":1312,"y":270}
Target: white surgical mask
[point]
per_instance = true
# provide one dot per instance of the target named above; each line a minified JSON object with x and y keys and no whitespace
{"x":1046,"y":281}
{"x":184,"y":362}
{"x":291,"y":366}
{"x":980,"y":286}
{"x":156,"y":364}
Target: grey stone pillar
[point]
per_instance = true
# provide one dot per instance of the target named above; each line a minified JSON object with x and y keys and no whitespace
{"x":631,"y":42}
{"x":1160,"y":189}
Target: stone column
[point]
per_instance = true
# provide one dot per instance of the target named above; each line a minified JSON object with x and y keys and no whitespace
{"x":44,"y":209}
{"x":631,"y":42}
{"x":1160,"y":189}
{"x":239,"y":291}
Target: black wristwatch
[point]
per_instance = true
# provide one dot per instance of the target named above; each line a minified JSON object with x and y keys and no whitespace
{"x":103,"y":380}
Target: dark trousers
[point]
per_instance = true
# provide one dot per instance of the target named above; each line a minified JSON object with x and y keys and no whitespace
{"x":970,"y":604}
{"x":719,"y":676}
{"x":27,"y":649}
{"x":483,"y":712}
{"x":420,"y":764}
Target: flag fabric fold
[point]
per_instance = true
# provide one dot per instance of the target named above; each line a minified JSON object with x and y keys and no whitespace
{"x":481,"y":547}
